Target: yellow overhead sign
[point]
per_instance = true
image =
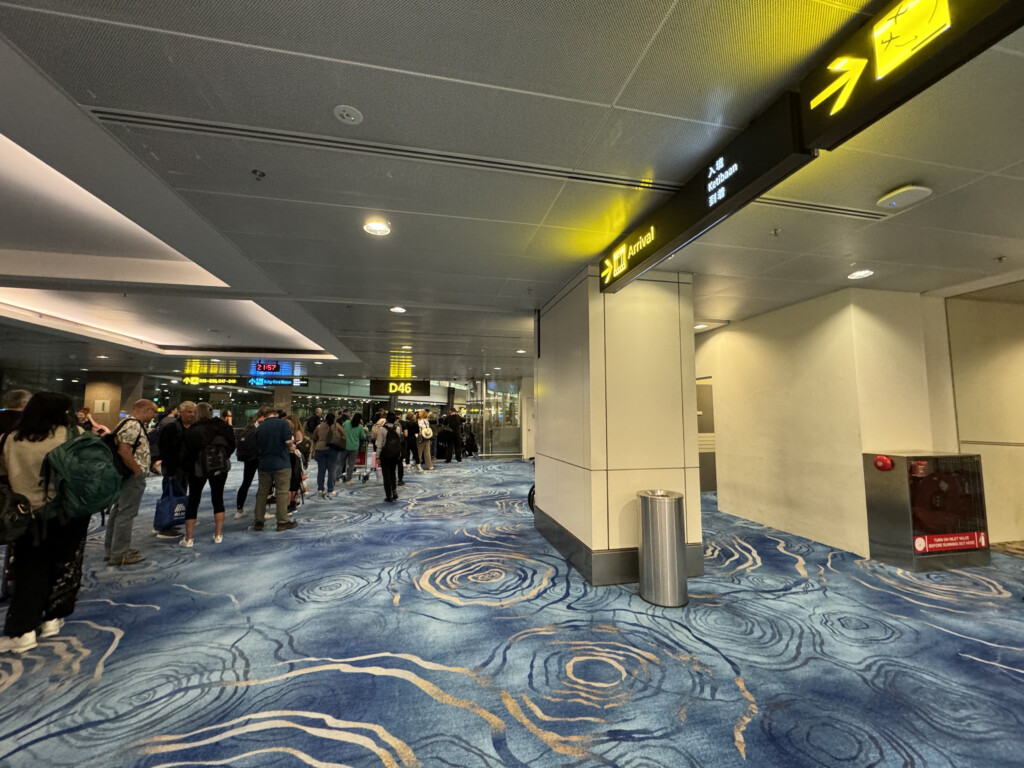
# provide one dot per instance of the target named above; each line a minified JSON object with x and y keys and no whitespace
{"x":906,"y":28}
{"x":616,"y":264}
{"x":851,"y":67}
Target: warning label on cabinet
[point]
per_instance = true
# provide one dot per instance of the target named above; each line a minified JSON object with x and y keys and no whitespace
{"x":949,"y":541}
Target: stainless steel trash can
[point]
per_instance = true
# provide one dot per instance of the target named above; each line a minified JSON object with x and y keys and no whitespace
{"x":662,"y":548}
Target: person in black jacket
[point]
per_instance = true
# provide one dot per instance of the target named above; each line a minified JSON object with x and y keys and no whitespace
{"x":454,"y":422}
{"x":170,"y":441}
{"x":208,"y":444}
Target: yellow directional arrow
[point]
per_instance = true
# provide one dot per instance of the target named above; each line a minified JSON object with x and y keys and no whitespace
{"x":851,"y":67}
{"x":606,"y":270}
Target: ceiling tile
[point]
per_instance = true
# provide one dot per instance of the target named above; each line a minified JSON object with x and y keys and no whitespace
{"x":161,"y":74}
{"x":535,"y":45}
{"x":789,"y":291}
{"x":601,"y":207}
{"x":848,"y":178}
{"x":990,"y":206}
{"x":763,"y":45}
{"x":712,"y":259}
{"x":637,"y":145}
{"x":771,"y":228}
{"x":945,"y":124}
{"x":1012,"y":293}
{"x":734,"y":308}
{"x":368,"y":182}
{"x":896,"y":241}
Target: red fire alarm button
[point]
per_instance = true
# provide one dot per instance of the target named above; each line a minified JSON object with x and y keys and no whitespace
{"x":883,"y":463}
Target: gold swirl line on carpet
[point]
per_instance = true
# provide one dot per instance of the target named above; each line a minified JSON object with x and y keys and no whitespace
{"x":450,"y":572}
{"x":108,"y":601}
{"x":753,"y":559}
{"x":337,"y":730}
{"x":741,"y":724}
{"x":301,"y":756}
{"x":992,"y":663}
{"x":7,"y":679}
{"x":975,"y":639}
{"x":63,"y":646}
{"x":234,"y":601}
{"x":555,"y":741}
{"x":539,"y":713}
{"x":948,"y":593}
{"x":117,"y":633}
{"x":570,"y":671}
{"x":343,"y":666}
{"x":800,"y":562}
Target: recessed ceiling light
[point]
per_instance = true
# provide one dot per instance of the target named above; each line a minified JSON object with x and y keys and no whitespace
{"x":377,"y":227}
{"x":398,"y":310}
{"x":700,"y":326}
{"x":860,"y":274}
{"x":102,"y":357}
{"x":84,"y":369}
{"x":214,"y":359}
{"x":341,"y":374}
{"x":60,"y":379}
{"x":903,"y":197}
{"x":317,"y":362}
{"x":520,"y":351}
{"x":74,"y":381}
{"x":497,"y":369}
{"x":406,"y":346}
{"x":174,"y":381}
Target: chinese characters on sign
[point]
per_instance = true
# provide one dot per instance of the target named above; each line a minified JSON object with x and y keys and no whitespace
{"x":718,"y":174}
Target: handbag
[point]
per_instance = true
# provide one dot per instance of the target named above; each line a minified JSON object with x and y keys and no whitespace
{"x":172,"y":506}
{"x":16,"y":515}
{"x":334,"y":440}
{"x":425,"y":431}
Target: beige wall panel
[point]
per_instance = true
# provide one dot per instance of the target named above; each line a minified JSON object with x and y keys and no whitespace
{"x":892,"y":381}
{"x":596,"y":436}
{"x":599,"y":509}
{"x":562,"y":382}
{"x":564,"y":494}
{"x":623,"y":506}
{"x":644,"y":391}
{"x":104,"y":390}
{"x":694,"y":527}
{"x":940,"y":375}
{"x":527,"y":424}
{"x":787,"y":427}
{"x":1002,"y":468}
{"x":688,"y":373}
{"x":987,"y":348}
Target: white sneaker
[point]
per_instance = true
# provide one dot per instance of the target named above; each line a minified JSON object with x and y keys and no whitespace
{"x":239,"y":514}
{"x":331,"y":494}
{"x":18,"y":644}
{"x":217,"y":539}
{"x":50,"y":628}
{"x":419,"y":468}
{"x":188,"y":543}
{"x":321,"y":495}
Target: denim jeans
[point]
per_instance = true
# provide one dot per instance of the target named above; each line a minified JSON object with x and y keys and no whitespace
{"x":325,"y":461}
{"x":348,"y":462}
{"x":118,"y":538}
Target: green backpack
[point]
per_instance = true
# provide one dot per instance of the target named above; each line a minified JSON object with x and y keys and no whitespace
{"x":83,"y":475}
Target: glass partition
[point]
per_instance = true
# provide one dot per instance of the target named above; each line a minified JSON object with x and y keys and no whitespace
{"x":493,"y":412}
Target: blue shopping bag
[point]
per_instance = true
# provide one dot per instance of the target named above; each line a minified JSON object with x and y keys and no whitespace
{"x":172,"y":506}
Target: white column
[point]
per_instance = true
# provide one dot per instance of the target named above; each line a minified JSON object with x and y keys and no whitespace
{"x":616,"y":413}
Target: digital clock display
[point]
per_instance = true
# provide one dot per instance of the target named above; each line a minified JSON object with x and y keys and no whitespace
{"x":268,"y":367}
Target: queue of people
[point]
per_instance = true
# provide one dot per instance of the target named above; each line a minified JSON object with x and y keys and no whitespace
{"x":190,"y":449}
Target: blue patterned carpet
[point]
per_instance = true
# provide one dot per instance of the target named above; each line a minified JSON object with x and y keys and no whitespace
{"x":444,"y":631}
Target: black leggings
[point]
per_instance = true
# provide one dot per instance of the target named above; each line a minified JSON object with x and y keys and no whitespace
{"x":243,"y":489}
{"x":46,"y":577}
{"x":195,"y":493}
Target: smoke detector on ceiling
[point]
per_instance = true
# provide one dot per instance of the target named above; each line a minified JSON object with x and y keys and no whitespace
{"x":903,"y":197}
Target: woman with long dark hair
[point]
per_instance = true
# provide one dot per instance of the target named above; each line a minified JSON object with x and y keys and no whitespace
{"x":46,"y":564}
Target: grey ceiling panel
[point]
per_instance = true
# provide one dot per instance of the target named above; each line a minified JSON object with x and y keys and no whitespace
{"x":370,"y":183}
{"x":771,"y":228}
{"x":638,"y":145}
{"x":848,"y":178}
{"x":789,"y":291}
{"x":1014,"y":42}
{"x":991,"y":206}
{"x":700,"y":257}
{"x":946,"y":123}
{"x":895,"y":240}
{"x":1012,"y":293}
{"x":734,"y":308}
{"x":601,"y":208}
{"x":542,"y":46}
{"x":160,"y":74}
{"x":764,"y":45}
{"x":568,"y":247}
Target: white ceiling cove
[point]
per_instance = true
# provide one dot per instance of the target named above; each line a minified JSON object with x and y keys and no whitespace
{"x":507,"y":145}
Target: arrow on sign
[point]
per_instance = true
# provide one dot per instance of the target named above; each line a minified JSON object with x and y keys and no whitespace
{"x":606,"y":270}
{"x":852,"y":67}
